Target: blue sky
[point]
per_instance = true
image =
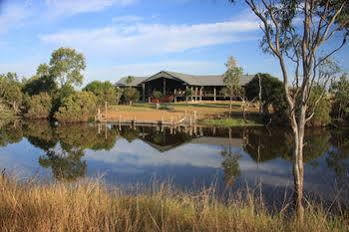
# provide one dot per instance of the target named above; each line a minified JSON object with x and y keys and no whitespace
{"x":134,"y":37}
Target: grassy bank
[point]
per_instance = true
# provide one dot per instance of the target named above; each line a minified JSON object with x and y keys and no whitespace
{"x":88,"y":206}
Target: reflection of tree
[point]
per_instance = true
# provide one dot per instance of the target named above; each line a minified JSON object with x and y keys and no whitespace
{"x":40,"y":134}
{"x":10,"y":133}
{"x":84,"y":136}
{"x":338,"y":156}
{"x":230,"y":166}
{"x":130,"y":134}
{"x":264,"y":146}
{"x":65,"y":165}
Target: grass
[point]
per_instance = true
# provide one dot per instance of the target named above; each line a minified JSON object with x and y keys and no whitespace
{"x":89,"y":206}
{"x":230,"y":122}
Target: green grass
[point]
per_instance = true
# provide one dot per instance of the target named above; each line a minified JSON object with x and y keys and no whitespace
{"x":230,"y":122}
{"x":90,"y":206}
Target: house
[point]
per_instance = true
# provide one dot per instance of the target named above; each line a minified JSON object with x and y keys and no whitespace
{"x":204,"y":87}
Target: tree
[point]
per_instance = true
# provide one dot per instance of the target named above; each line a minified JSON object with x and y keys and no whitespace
{"x":188,"y":93}
{"x":322,"y":111}
{"x":11,"y":91}
{"x":39,"y":106}
{"x":299,"y":45}
{"x":131,"y":95}
{"x":42,"y":81}
{"x":129,"y":80}
{"x":340,"y":92}
{"x":104,"y":91}
{"x":78,"y":107}
{"x":66,"y":65}
{"x":272,"y":89}
{"x":231,"y":79}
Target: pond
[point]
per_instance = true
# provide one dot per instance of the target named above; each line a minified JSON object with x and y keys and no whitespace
{"x":191,"y":159}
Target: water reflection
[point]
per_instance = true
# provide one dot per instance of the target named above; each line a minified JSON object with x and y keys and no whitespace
{"x":187,"y":156}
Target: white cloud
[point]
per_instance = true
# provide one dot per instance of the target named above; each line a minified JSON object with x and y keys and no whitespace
{"x":71,"y":7}
{"x":150,"y":39}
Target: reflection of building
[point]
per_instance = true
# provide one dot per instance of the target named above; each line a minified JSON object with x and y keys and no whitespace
{"x":168,"y":138}
{"x":175,"y":84}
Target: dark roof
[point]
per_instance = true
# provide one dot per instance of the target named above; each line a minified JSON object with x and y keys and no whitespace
{"x":196,"y":80}
{"x":135,"y":82}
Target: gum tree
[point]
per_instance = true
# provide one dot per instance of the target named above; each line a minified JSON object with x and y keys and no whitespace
{"x":231,"y":79}
{"x":296,"y":32}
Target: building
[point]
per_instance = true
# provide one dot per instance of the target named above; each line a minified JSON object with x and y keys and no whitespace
{"x":174,"y":85}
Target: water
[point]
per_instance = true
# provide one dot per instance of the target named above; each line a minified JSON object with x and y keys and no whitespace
{"x":189,"y":159}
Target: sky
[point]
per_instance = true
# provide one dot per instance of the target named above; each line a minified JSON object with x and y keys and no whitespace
{"x":135,"y":37}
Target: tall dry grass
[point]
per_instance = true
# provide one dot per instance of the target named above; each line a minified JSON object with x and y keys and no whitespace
{"x":90,"y":206}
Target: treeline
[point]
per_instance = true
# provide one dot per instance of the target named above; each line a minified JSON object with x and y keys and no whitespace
{"x":329,"y":106}
{"x":51,"y":93}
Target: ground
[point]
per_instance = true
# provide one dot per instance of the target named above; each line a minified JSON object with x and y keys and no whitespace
{"x":207,"y":112}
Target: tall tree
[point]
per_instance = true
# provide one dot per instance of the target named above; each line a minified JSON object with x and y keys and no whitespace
{"x":66,"y":65}
{"x":299,"y":44}
{"x":231,"y":79}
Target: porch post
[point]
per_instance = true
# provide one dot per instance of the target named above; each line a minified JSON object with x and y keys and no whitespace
{"x":196,"y":94}
{"x":192,"y":95}
{"x":143,"y":92}
{"x":201,"y":90}
{"x":214,"y":93}
{"x":186,"y":89}
{"x":175,"y":95}
{"x":164,"y":87}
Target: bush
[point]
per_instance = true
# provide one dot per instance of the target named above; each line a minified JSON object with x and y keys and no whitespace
{"x":6,"y":112}
{"x":131,"y":95}
{"x":157,"y":94}
{"x":78,"y":107}
{"x":104,"y":91}
{"x":39,"y":106}
{"x":322,"y":109}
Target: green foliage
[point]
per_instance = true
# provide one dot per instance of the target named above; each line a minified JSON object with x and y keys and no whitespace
{"x":5,"y":112}
{"x":320,"y":105}
{"x":129,"y":80}
{"x":188,"y":92}
{"x":131,"y":95}
{"x":272,"y":90}
{"x":78,"y":107}
{"x":230,"y":166}
{"x":66,"y":166}
{"x":66,"y":65}
{"x":39,"y":106}
{"x":340,"y":92}
{"x":104,"y":91}
{"x":231,"y":78}
{"x":157,"y":94}
{"x":11,"y":91}
{"x":41,"y":82}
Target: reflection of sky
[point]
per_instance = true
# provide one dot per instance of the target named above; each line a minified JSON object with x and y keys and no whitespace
{"x":21,"y":159}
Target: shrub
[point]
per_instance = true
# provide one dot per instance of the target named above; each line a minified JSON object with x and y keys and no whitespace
{"x":157,"y":94}
{"x":322,"y":109}
{"x":39,"y":106}
{"x":78,"y":107}
{"x":104,"y":91}
{"x":6,"y":112}
{"x":131,"y":95}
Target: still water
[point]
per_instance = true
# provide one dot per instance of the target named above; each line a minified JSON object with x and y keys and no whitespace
{"x":189,"y":158}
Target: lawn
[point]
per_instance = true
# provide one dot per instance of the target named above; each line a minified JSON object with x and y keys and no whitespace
{"x":173,"y":111}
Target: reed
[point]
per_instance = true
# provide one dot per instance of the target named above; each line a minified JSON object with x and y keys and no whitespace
{"x":89,"y":206}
